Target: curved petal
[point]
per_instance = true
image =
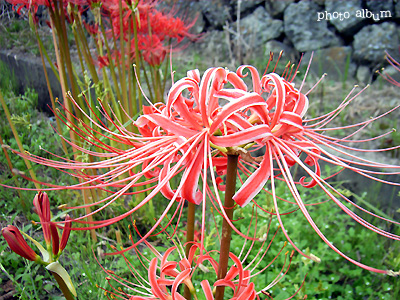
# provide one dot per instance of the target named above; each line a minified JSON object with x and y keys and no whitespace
{"x":242,"y":137}
{"x":251,"y":99}
{"x":191,"y":177}
{"x":167,"y":125}
{"x":254,"y":76}
{"x":207,"y":290}
{"x":255,"y":182}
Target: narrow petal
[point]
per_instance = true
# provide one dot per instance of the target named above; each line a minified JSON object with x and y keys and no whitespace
{"x":255,"y":182}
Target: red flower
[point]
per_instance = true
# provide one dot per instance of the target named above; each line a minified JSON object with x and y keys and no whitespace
{"x":203,"y":120}
{"x":65,"y":233}
{"x":167,"y":271}
{"x":17,"y":243}
{"x":152,"y":49}
{"x":42,"y":206}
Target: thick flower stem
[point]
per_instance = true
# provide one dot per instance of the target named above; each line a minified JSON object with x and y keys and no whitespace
{"x":189,"y":239}
{"x":226,"y":228}
{"x":63,"y":287}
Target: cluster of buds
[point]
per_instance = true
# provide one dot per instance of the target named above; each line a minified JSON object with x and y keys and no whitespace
{"x":54,"y":245}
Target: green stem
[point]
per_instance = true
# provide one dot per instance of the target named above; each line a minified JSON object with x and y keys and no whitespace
{"x":226,"y":228}
{"x":123,"y":65}
{"x":189,"y":239}
{"x":53,"y":105}
{"x":63,"y":287}
{"x":137,"y":62}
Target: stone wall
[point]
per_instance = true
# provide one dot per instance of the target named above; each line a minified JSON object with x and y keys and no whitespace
{"x":349,"y":37}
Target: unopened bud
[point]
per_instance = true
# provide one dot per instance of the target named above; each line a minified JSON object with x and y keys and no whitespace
{"x":18,"y":244}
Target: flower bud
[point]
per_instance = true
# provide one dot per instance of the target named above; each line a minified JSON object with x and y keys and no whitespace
{"x":54,"y":238}
{"x":17,"y":243}
{"x":66,"y":232}
{"x":42,"y":205}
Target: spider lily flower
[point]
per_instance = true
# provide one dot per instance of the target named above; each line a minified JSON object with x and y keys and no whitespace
{"x":207,"y":118}
{"x":157,"y":31}
{"x":168,"y":270}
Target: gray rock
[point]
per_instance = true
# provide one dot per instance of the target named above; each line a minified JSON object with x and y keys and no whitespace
{"x":363,"y":75}
{"x":397,"y":9}
{"x":348,"y":23}
{"x":213,"y":47}
{"x":319,"y":2}
{"x":334,"y":61}
{"x":275,"y":47}
{"x":28,"y":71}
{"x":216,"y":12}
{"x":245,"y":5}
{"x":377,"y":7}
{"x":258,"y":28}
{"x":276,"y":8}
{"x":371,"y":42}
{"x":305,"y":32}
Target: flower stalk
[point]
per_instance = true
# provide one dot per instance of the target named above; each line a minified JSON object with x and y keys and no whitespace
{"x":189,"y":239}
{"x":63,"y":287}
{"x":226,"y":228}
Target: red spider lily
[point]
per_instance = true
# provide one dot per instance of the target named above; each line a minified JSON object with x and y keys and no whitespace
{"x":28,"y":4}
{"x":18,"y":244}
{"x":203,"y":120}
{"x":157,"y":31}
{"x":152,"y":49}
{"x":167,"y":271}
{"x":146,"y":17}
{"x":23,"y":6}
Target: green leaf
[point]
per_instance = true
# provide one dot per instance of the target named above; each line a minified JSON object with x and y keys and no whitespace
{"x":56,"y":267}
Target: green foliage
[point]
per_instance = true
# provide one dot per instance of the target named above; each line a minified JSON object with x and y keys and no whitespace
{"x":16,"y":34}
{"x":36,"y":132}
{"x":8,"y":81}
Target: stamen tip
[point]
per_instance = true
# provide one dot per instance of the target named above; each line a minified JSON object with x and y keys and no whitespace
{"x":315,"y":258}
{"x":392,"y":273}
{"x":263,"y":238}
